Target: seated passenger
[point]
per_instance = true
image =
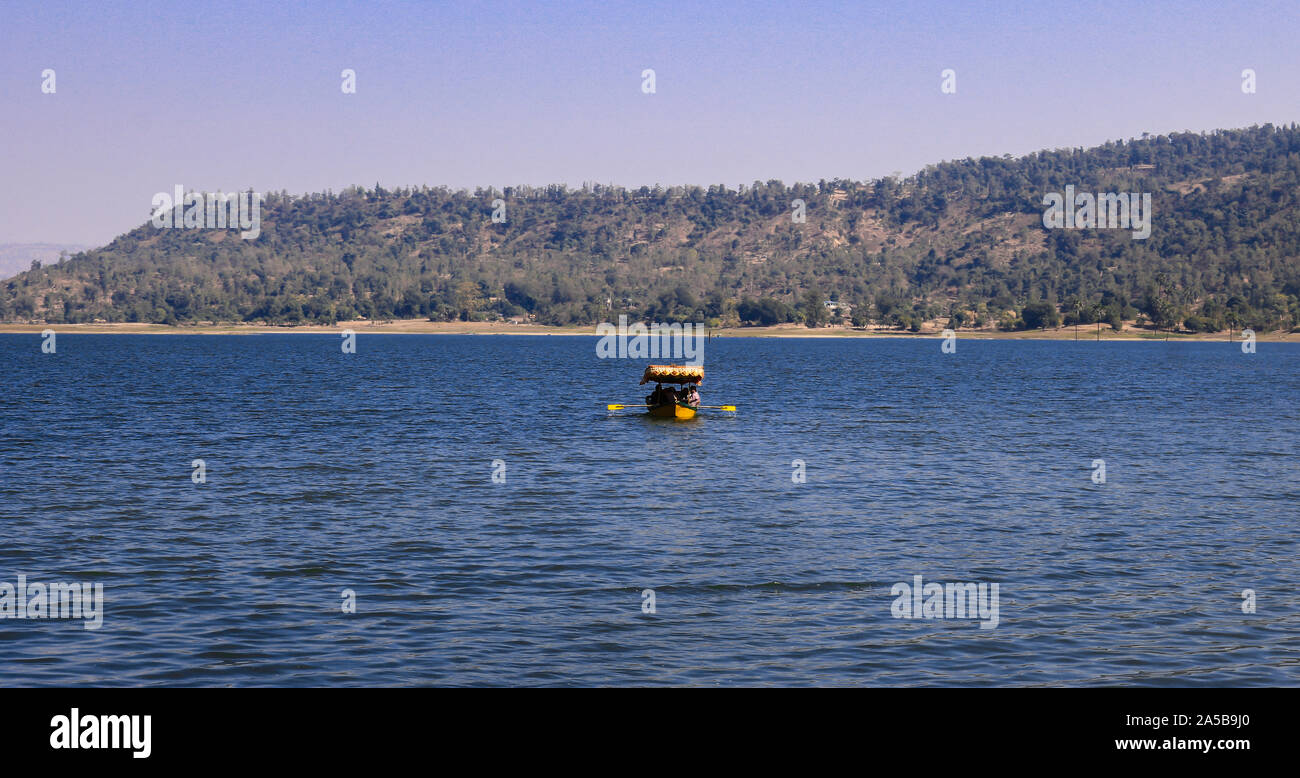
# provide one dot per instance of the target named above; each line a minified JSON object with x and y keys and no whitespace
{"x":693,"y":397}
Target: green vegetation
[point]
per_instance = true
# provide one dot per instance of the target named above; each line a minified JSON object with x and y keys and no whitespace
{"x":960,"y":242}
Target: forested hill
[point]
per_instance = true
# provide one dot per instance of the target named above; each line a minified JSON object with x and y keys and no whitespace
{"x":961,"y":239}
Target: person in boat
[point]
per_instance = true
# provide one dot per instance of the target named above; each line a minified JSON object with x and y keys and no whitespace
{"x":652,"y":399}
{"x":692,"y":396}
{"x":668,"y":396}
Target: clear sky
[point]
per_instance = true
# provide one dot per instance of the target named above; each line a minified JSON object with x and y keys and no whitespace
{"x":231,"y":95}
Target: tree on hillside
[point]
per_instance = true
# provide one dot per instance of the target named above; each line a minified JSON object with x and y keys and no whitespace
{"x":1040,"y":314}
{"x":814,"y":310}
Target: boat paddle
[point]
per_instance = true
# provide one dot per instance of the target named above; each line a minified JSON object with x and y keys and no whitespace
{"x":619,"y":407}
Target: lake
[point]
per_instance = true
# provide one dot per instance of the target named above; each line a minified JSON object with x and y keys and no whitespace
{"x":346,"y":527}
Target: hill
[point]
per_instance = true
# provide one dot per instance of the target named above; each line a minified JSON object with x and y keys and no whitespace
{"x":963,"y":240}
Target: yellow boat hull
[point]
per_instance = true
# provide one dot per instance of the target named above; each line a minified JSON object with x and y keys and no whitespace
{"x":673,"y":411}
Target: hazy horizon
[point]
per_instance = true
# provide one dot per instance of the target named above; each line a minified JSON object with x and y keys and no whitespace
{"x":248,"y":96}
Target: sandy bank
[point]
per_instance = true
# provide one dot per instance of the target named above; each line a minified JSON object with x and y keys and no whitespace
{"x":421,"y":326}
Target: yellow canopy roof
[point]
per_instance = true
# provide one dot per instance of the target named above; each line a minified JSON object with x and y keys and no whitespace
{"x":673,"y":374}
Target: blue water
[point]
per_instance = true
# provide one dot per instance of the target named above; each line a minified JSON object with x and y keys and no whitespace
{"x":373,"y":472}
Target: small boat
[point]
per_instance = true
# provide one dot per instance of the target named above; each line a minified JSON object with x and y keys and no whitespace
{"x":672,"y":411}
{"x":685,"y":376}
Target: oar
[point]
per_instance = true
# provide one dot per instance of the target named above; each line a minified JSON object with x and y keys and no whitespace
{"x":618,"y":407}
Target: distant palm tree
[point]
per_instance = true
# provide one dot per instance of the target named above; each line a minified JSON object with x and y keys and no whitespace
{"x":1078,"y":314}
{"x":1098,"y":310}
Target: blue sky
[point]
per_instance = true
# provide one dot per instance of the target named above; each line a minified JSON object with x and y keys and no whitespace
{"x":234,"y":95}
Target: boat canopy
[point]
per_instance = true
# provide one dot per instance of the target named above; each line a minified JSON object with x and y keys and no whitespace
{"x":673,"y":374}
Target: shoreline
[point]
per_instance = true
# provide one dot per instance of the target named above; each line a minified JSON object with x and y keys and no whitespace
{"x":423,"y":327}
